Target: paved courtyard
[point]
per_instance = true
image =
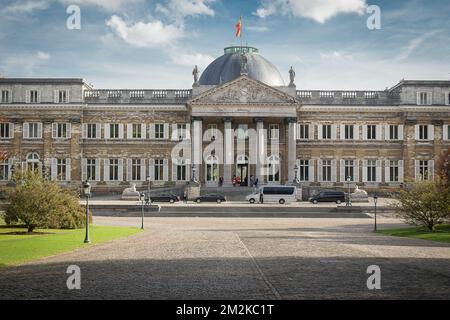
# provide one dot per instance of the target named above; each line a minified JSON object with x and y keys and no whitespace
{"x":241,"y":258}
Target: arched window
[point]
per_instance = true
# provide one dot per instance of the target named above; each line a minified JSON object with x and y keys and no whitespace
{"x":274,"y":169}
{"x":33,"y":162}
{"x":212,"y":168}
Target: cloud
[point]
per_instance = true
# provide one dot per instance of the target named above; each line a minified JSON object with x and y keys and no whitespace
{"x":413,"y":44}
{"x":191,"y":60}
{"x":335,"y":55}
{"x":317,"y":10}
{"x":179,"y":9}
{"x":257,"y":28}
{"x":25,"y":6}
{"x":145,"y":35}
{"x":43,"y":55}
{"x":108,"y":5}
{"x":23,"y":63}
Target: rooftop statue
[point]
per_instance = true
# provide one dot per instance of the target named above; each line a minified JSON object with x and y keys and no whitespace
{"x":244,"y":63}
{"x":291,"y":77}
{"x":195,"y":73}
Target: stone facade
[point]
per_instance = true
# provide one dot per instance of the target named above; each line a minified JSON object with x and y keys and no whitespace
{"x":244,"y":127}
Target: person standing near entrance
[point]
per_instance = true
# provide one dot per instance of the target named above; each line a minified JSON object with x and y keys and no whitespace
{"x":238,"y":180}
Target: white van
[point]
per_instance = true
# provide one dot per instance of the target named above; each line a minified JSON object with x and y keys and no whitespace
{"x":273,"y":193}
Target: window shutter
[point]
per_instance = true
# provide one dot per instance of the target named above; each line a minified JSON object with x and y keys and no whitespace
{"x":11,"y":130}
{"x":152,"y":131}
{"x":416,"y":170}
{"x":69,"y":130}
{"x":129,"y":173}
{"x":311,"y":170}
{"x":84,"y":169}
{"x":54,"y":130}
{"x":429,"y":98}
{"x":40,"y":130}
{"x":120,"y":130}
{"x":10,"y":164}
{"x":342,"y":171}
{"x":120,"y":171}
{"x":319,"y":132}
{"x":27,"y":96}
{"x":38,"y":96}
{"x":333,"y":170}
{"x":430,"y":132}
{"x":174,"y":170}
{"x":418,"y":98}
{"x":400,"y":132}
{"x":55,"y":96}
{"x":166,"y":170}
{"x":174,"y":132}
{"x":387,"y":167}
{"x":107,"y":128}
{"x":143,"y":131}
{"x":379,"y":132}
{"x":166,"y":131}
{"x":68,"y":169}
{"x":53,"y":172}
{"x":444,"y":132}
{"x":97,"y":169}
{"x":379,"y":170}
{"x":151,"y":169}
{"x":67,"y":96}
{"x":319,"y":170}
{"x":401,"y":171}
{"x":431,"y":170}
{"x":356,"y":170}
{"x":105,"y":169}
{"x":364,"y":132}
{"x":342,"y":133}
{"x":98,"y":130}
{"x":26,"y":127}
{"x":416,"y":132}
{"x":188,"y":135}
{"x":387,"y":131}
{"x":364,"y":171}
{"x":311,"y":131}
{"x":129,"y":131}
{"x":84,"y":130}
{"x":297,"y":136}
{"x":356,"y":130}
{"x":333,"y":132}
{"x":143,"y":177}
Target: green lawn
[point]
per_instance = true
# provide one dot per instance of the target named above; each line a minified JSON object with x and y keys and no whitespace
{"x":442,"y":233}
{"x":16,"y":249}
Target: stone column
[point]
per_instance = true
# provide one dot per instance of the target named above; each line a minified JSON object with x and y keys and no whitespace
{"x":292,"y":148}
{"x":228,"y":151}
{"x":197,"y":146}
{"x":261,"y":153}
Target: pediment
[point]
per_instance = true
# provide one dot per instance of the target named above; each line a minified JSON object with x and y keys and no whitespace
{"x":243,"y":90}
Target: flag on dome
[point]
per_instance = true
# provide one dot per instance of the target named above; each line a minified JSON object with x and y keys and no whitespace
{"x":239,"y":28}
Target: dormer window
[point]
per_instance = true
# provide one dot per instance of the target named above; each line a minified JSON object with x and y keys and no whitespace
{"x":424,"y":98}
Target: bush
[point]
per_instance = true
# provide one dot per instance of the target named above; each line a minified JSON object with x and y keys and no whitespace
{"x":39,"y":203}
{"x":425,"y":203}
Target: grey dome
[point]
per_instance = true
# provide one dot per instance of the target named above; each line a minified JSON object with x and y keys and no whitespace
{"x":228,"y":67}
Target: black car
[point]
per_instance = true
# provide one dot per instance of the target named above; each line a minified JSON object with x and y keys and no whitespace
{"x":165,"y":197}
{"x":212,"y":197}
{"x":328,"y":196}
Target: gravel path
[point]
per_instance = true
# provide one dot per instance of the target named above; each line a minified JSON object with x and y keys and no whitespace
{"x":241,"y":258}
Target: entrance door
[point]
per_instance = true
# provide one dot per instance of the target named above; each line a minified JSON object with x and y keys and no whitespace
{"x":212,"y":171}
{"x":242,"y":169}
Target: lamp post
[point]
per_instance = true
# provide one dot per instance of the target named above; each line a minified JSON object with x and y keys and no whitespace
{"x":296,"y":174}
{"x":194,"y":169}
{"x":349,"y":201}
{"x":375,"y":199}
{"x":142,"y":196}
{"x":147,"y":200}
{"x":87,"y":193}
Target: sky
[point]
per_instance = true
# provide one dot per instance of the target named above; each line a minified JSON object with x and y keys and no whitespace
{"x":146,"y":44}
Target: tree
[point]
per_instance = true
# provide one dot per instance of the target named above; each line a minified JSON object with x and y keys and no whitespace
{"x":425,"y":203}
{"x":40,"y":203}
{"x":443,"y":165}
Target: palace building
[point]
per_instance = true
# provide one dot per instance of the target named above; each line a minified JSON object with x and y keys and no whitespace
{"x":239,"y":118}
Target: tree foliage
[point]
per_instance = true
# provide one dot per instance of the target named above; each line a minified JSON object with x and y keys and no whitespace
{"x":40,"y":203}
{"x":425,"y":203}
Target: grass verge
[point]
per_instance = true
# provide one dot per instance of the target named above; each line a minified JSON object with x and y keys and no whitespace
{"x":19,"y":248}
{"x":441,"y":234}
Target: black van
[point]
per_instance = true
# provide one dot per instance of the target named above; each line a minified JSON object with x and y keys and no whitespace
{"x":328,"y":196}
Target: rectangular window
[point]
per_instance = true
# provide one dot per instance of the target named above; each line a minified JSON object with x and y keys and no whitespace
{"x":181,"y":131}
{"x":33,"y":130}
{"x":34,"y":96}
{"x":136,"y":131}
{"x":371,"y":132}
{"x":136,"y":169}
{"x":423,"y":98}
{"x":62,"y":96}
{"x":349,"y":132}
{"x":159,"y":169}
{"x":60,"y":130}
{"x":447,"y":102}
{"x":5,"y":96}
{"x":92,"y":131}
{"x":113,"y":169}
{"x":274,"y":131}
{"x":211,"y":131}
{"x":393,"y":132}
{"x":159,"y":131}
{"x":393,"y":171}
{"x":423,"y":169}
{"x":4,"y":170}
{"x":326,"y":170}
{"x":349,"y":170}
{"x":303,"y":132}
{"x":181,"y":172}
{"x":90,"y":169}
{"x":371,"y":170}
{"x":423,"y":132}
{"x":304,"y":170}
{"x":114,"y":131}
{"x":61,"y":169}
{"x":4,"y":130}
{"x":242,"y":132}
{"x":326,"y":131}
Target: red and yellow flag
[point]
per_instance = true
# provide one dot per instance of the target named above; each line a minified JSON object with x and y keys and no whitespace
{"x":239,"y":28}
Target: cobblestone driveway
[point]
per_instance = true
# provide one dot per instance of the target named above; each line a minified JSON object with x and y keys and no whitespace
{"x":241,"y":258}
